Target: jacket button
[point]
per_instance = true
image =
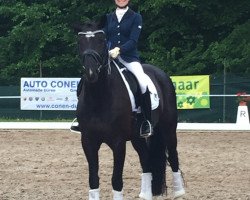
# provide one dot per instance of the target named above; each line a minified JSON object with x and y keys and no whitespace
{"x":118,"y":26}
{"x":119,"y":42}
{"x":118,"y":33}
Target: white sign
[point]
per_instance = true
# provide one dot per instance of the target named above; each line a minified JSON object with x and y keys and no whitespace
{"x":242,"y":115}
{"x":49,"y":93}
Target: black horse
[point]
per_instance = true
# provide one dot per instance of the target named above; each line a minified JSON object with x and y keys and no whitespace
{"x":105,"y":116}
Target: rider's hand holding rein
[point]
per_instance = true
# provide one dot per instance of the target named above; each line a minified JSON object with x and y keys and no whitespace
{"x":114,"y":53}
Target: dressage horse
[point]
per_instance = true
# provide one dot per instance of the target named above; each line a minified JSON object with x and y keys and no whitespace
{"x":104,"y":115}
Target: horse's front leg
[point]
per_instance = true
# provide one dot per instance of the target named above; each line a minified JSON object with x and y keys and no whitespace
{"x":119,"y":151}
{"x":141,"y":148}
{"x":91,"y":148}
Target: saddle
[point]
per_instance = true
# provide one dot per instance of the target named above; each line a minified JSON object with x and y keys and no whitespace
{"x":135,"y":95}
{"x":134,"y":90}
{"x":132,"y":82}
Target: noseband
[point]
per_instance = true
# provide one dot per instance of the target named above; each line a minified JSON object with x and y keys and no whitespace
{"x":96,"y":56}
{"x":90,"y":52}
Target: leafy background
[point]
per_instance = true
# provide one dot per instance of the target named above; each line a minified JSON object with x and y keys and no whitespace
{"x":183,"y":37}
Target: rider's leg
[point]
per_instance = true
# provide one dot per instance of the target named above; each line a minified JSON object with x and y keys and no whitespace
{"x":137,"y":70}
{"x":146,"y":127}
{"x":75,"y":128}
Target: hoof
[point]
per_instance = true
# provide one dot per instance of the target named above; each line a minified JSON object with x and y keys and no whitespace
{"x":159,"y":197}
{"x":179,"y":193}
{"x":146,"y":196}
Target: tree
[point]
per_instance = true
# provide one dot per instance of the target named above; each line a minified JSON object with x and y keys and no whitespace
{"x":38,"y":34}
{"x":232,"y":52}
{"x":181,"y":37}
{"x":180,"y":34}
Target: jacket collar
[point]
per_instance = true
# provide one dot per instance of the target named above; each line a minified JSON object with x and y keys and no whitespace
{"x":128,"y":14}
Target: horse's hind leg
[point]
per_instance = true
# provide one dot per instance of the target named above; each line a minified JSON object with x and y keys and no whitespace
{"x":174,"y":161}
{"x":171,"y":141}
{"x":91,"y":148}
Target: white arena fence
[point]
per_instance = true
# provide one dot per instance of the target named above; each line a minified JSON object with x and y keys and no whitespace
{"x":241,"y":125}
{"x":180,"y":127}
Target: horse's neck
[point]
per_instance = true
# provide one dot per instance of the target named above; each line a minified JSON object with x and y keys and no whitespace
{"x":108,"y":89}
{"x":97,"y":92}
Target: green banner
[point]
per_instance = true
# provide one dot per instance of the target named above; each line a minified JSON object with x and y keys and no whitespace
{"x":192,"y":91}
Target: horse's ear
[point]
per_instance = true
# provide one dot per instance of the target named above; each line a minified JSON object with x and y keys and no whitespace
{"x":102,"y":22}
{"x":77,"y":27}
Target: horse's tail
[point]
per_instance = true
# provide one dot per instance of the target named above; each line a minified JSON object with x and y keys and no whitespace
{"x":158,"y":160}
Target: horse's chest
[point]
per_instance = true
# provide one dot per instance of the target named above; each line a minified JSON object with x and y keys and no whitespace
{"x":97,"y":121}
{"x":98,"y":124}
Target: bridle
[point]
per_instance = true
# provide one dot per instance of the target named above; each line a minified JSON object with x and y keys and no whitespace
{"x":94,"y":54}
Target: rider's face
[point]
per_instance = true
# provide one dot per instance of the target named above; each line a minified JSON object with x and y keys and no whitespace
{"x":121,"y":3}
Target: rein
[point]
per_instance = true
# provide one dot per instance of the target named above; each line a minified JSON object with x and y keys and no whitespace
{"x":95,"y":55}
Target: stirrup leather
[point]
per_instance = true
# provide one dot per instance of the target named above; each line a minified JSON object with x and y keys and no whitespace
{"x":148,"y":134}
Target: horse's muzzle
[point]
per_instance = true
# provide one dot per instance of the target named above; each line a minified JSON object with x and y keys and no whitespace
{"x":92,"y":76}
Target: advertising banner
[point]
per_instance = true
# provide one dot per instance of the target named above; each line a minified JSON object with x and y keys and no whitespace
{"x":49,"y":93}
{"x":192,"y":91}
{"x":60,"y":93}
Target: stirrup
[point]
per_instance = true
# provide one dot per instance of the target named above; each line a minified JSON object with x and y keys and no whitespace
{"x":74,"y":128}
{"x":148,"y":134}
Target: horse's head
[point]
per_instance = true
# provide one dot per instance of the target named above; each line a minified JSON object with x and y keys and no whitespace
{"x":92,"y":47}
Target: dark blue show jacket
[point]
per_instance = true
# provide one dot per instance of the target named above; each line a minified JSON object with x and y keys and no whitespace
{"x":124,"y":34}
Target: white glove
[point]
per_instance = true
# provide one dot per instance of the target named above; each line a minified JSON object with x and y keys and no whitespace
{"x":114,"y":53}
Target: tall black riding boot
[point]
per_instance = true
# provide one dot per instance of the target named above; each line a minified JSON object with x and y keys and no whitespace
{"x":146,"y":127}
{"x":79,"y":87}
{"x":73,"y":127}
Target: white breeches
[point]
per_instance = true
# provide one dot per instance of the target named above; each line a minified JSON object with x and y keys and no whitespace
{"x":137,"y":70}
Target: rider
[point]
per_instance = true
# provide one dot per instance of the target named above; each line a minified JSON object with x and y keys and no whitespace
{"x":123,"y":29}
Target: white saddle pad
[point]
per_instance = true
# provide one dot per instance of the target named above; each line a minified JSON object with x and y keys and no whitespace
{"x":152,"y":89}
